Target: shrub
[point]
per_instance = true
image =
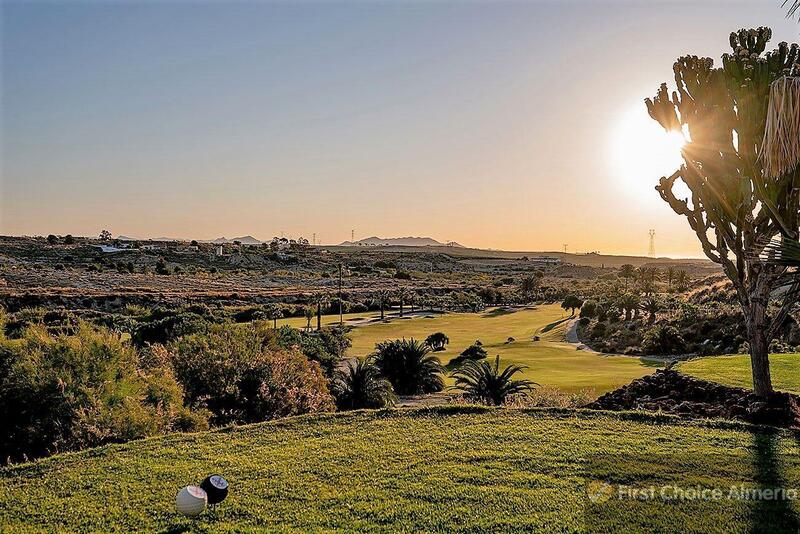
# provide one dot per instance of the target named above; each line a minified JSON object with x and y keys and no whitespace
{"x":409,"y":366}
{"x":168,"y":327}
{"x":161,"y":267}
{"x":236,"y":374}
{"x":663,"y":339}
{"x":360,"y":385}
{"x":60,"y":393}
{"x":437,"y":341}
{"x":323,"y":347}
{"x":402,"y":275}
{"x":486,"y":383}
{"x":473,"y":352}
{"x":589,"y":309}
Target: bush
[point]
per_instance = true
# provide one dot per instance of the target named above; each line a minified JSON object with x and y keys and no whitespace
{"x":589,"y":309}
{"x":409,"y":366}
{"x":473,"y":352}
{"x":168,"y":327}
{"x":437,"y":341}
{"x":486,"y":383}
{"x":238,"y":375}
{"x":402,"y":275}
{"x":663,"y":339}
{"x":361,"y":385}
{"x":324,"y":347}
{"x":61,"y":393}
{"x":161,"y":267}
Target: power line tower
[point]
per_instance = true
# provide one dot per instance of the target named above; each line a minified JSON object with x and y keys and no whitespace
{"x":353,"y":235}
{"x":652,"y":250}
{"x":314,"y":239}
{"x":565,"y":248}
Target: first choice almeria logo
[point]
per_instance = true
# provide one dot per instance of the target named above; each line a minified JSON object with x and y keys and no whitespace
{"x":599,"y":492}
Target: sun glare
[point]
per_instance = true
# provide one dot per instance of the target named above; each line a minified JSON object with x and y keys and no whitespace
{"x":642,"y":152}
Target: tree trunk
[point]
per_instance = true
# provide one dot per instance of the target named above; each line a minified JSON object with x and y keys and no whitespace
{"x":381,"y":310}
{"x":319,"y":316}
{"x":759,"y":346}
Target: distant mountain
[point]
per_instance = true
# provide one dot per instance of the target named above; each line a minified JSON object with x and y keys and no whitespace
{"x":399,"y":241}
{"x":245,"y":240}
{"x":127,"y":238}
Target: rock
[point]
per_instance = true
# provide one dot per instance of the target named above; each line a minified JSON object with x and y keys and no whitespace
{"x":670,"y":391}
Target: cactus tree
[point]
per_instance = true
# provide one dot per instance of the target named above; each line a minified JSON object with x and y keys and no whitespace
{"x":733,"y":207}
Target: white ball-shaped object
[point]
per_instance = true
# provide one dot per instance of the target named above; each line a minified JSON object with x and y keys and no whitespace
{"x":191,"y":501}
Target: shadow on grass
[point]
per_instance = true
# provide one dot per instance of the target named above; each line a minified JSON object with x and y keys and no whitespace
{"x":554,"y":324}
{"x":499,"y":312}
{"x":771,"y":515}
{"x":649,"y":362}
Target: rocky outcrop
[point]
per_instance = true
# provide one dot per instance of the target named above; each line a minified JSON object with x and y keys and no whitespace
{"x":676,"y":393}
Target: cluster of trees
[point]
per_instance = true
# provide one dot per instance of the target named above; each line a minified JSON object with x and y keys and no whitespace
{"x":53,"y":239}
{"x":645,"y":278}
{"x":408,"y":367}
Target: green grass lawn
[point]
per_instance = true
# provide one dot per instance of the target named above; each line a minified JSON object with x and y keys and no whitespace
{"x":459,"y":468}
{"x":735,"y":370}
{"x":550,"y":362}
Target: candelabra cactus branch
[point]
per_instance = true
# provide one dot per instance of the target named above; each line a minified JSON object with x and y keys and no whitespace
{"x":734,"y":207}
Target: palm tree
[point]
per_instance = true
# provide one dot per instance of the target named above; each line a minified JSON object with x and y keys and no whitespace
{"x":530,"y":285}
{"x":681,"y":279}
{"x":274,"y":313}
{"x":401,"y":294}
{"x":671,"y":272}
{"x":629,"y":303}
{"x":320,"y":299}
{"x":383,"y":297}
{"x":647,"y":279}
{"x":651,"y":305}
{"x":409,"y":366}
{"x":793,"y":8}
{"x":627,"y":271}
{"x":484,"y":382}
{"x":360,"y":385}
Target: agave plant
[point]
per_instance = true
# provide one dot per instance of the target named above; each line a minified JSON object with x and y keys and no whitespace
{"x":360,"y":385}
{"x":485,"y":382}
{"x":409,"y":366}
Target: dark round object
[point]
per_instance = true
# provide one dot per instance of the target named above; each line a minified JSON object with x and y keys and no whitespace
{"x":216,"y":487}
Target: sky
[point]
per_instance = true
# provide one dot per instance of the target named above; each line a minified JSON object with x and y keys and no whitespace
{"x":507,"y":125}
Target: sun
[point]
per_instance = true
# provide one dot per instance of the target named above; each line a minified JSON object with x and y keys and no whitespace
{"x":642,"y":152}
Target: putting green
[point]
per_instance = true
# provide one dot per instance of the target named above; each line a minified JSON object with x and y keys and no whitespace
{"x":550,"y":361}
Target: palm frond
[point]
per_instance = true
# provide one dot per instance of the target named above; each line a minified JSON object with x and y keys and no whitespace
{"x":781,"y":251}
{"x":795,"y":5}
{"x":485,"y":382}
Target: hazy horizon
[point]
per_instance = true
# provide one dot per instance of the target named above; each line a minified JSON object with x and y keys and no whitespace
{"x":512,"y":126}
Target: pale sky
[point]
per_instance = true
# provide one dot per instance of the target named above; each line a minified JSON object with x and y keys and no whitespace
{"x":509,"y":125}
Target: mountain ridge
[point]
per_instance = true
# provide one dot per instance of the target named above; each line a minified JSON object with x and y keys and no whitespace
{"x":409,"y":241}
